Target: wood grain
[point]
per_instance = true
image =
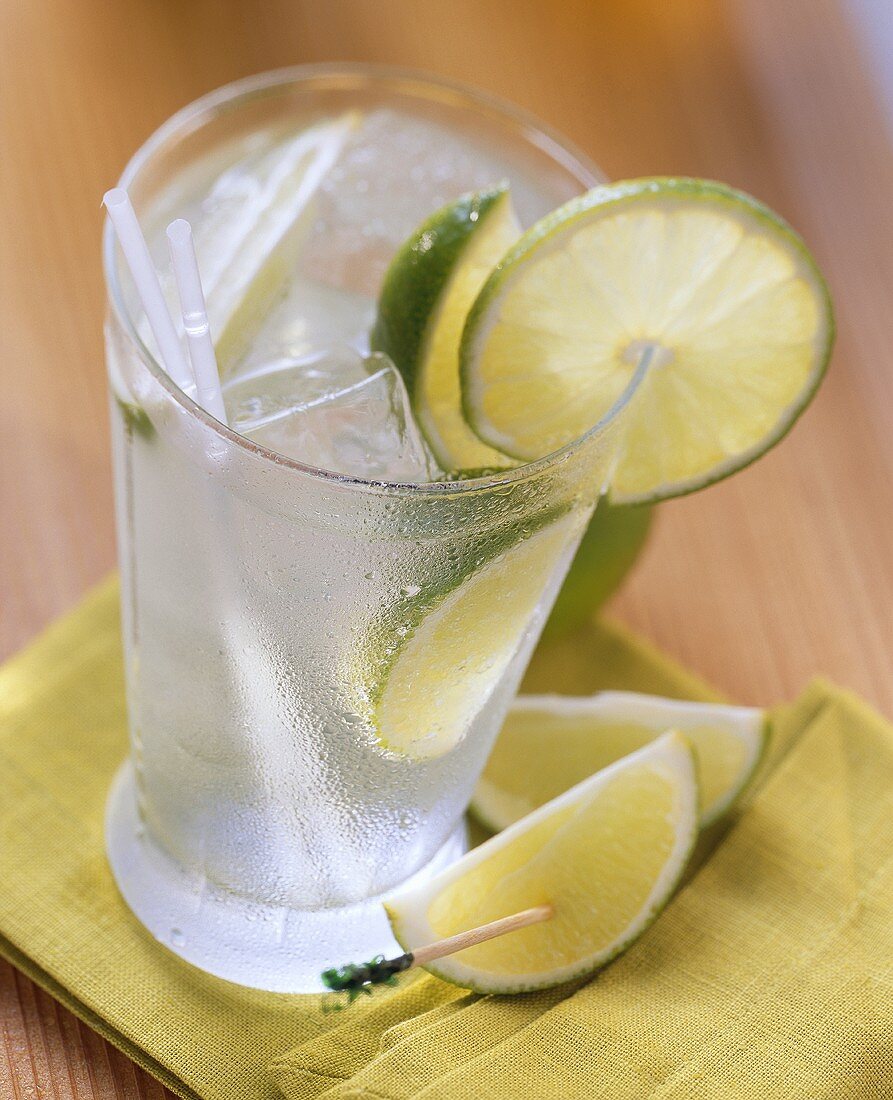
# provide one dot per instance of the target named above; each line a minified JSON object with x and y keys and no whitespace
{"x":757,"y":584}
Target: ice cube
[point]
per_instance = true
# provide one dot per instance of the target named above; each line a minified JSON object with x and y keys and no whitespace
{"x":393,"y":171}
{"x":364,"y":429}
{"x":276,"y":386}
{"x":311,"y":319}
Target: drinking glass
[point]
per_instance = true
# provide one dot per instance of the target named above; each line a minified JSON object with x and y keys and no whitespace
{"x":269,"y":607}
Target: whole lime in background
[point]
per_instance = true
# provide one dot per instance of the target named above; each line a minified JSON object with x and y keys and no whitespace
{"x":608,"y":550}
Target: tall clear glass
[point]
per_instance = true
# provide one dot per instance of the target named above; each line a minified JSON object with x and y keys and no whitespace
{"x":269,"y":607}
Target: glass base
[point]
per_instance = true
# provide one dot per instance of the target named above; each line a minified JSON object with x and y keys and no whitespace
{"x":267,"y":947}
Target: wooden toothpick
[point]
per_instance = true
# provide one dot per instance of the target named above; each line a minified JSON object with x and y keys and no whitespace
{"x":449,"y":946}
{"x":357,"y":978}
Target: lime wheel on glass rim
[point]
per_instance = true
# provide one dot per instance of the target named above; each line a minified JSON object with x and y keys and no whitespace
{"x":720,"y":289}
{"x":722,"y":295}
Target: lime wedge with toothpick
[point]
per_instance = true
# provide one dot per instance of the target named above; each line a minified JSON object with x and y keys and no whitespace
{"x":606,"y":855}
{"x":723,"y":295}
{"x":549,"y":743}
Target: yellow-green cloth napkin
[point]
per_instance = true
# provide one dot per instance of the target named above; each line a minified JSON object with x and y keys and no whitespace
{"x":769,"y":975}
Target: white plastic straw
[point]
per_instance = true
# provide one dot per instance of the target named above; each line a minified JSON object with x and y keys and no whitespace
{"x":195,"y":318}
{"x":136,"y":252}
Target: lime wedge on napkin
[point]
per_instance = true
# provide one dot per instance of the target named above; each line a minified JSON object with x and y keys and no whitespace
{"x":551,"y":742}
{"x":606,"y":855}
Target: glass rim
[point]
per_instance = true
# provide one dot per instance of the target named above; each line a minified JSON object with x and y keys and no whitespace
{"x":228,"y":97}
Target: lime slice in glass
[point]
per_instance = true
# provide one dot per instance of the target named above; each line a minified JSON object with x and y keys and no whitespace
{"x":437,"y":680}
{"x":606,"y":855}
{"x":551,"y":742}
{"x":721,"y":292}
{"x":256,"y":219}
{"x":427,"y":293}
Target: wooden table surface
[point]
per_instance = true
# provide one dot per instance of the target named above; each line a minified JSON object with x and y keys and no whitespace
{"x":782,"y":572}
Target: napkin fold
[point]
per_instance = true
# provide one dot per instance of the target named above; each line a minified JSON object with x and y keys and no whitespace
{"x":769,"y":974}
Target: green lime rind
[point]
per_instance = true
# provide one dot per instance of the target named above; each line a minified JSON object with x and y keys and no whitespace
{"x":628,"y":192}
{"x":419,"y":273}
{"x":136,"y":418}
{"x":395,"y":627}
{"x":417,"y":282}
